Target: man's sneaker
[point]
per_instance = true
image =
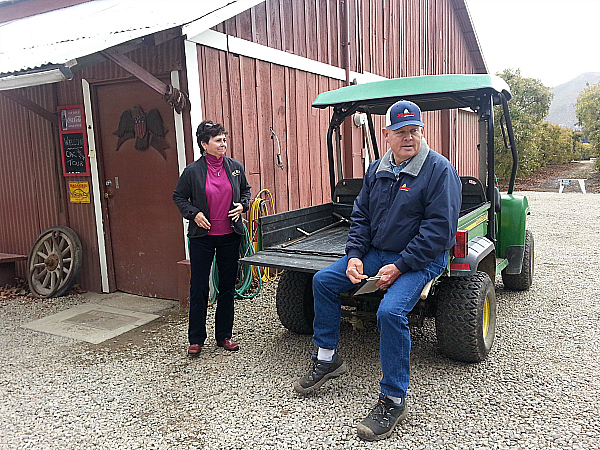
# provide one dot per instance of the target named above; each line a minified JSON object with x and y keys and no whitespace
{"x":381,"y":421}
{"x":318,"y":373}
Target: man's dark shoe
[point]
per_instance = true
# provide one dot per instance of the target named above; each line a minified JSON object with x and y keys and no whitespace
{"x":229,"y":344}
{"x":318,"y":373}
{"x":194,"y":349}
{"x":382,"y":419}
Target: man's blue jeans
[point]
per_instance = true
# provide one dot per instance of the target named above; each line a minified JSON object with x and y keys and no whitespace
{"x":398,"y":301}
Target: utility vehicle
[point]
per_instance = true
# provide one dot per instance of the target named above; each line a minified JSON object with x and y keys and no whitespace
{"x":492,"y":236}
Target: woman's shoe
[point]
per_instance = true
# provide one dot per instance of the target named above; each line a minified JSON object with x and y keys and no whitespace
{"x":194,"y":349}
{"x":228,"y":344}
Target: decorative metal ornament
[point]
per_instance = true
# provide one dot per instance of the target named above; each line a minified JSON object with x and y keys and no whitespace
{"x":147,"y":129}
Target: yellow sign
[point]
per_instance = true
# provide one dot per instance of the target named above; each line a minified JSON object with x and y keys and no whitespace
{"x":79,"y":191}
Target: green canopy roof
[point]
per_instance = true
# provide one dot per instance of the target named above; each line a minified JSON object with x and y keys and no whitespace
{"x":430,"y":92}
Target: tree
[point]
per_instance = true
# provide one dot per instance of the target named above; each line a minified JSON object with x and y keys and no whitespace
{"x":588,"y":115}
{"x":529,"y":106}
{"x":558,"y":144}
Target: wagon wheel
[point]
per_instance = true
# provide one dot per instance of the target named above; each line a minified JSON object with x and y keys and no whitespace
{"x":54,"y":262}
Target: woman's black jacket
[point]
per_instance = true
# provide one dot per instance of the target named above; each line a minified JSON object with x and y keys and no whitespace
{"x":190,"y":193}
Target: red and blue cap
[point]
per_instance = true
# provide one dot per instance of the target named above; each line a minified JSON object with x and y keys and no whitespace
{"x":403,"y":113}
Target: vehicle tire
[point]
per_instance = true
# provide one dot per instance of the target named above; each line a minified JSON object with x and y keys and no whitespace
{"x":465,"y":319}
{"x":523,"y":280}
{"x":294,"y":301}
{"x":54,"y":262}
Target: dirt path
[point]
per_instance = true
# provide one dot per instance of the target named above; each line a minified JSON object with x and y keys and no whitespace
{"x":547,"y":179}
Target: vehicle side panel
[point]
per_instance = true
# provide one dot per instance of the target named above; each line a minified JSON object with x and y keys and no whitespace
{"x":511,"y":226}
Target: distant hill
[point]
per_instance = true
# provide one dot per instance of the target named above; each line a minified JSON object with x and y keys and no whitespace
{"x":562,"y":109}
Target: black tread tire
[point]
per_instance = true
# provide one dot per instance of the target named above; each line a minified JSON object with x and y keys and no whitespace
{"x":62,"y":262}
{"x":523,"y":280}
{"x":460,"y":319}
{"x":294,"y":301}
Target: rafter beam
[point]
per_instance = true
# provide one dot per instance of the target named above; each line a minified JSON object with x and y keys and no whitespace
{"x":140,"y":73}
{"x":31,"y":106}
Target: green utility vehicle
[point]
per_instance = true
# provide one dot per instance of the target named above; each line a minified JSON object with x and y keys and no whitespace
{"x":492,"y":236}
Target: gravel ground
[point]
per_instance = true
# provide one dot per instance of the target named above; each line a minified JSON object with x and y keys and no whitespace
{"x":538,"y":389}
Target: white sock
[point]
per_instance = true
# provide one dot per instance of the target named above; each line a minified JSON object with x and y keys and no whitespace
{"x":396,"y":400}
{"x":325,"y":354}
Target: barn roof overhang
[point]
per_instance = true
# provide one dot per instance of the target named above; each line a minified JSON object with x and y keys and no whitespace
{"x":470,"y":36}
{"x":35,"y":50}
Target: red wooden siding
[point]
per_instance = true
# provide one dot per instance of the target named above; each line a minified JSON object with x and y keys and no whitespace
{"x":387,"y":37}
{"x":391,"y":38}
{"x":249,"y":97}
{"x":468,"y":138}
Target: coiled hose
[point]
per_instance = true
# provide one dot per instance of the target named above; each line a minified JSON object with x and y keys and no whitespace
{"x":259,"y":209}
{"x":248,"y":246}
{"x":244,"y":272}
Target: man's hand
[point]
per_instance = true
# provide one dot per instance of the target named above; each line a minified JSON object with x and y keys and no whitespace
{"x":354,"y":272}
{"x":388,"y":274}
{"x":202,"y":221}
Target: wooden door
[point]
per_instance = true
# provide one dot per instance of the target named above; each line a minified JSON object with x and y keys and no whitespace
{"x":145,"y":226}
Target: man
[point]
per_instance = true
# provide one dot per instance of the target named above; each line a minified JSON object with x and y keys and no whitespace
{"x":403,"y":223}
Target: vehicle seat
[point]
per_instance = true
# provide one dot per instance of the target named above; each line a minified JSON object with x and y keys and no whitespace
{"x":346,"y":190}
{"x":473,"y":194}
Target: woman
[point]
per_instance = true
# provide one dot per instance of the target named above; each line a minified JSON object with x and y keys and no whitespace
{"x":212,"y":193}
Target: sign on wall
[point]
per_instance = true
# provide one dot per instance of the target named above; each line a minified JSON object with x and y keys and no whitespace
{"x":73,"y":141}
{"x":79,"y":192}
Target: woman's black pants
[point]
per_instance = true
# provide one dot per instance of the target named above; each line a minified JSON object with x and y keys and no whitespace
{"x":202,"y":252}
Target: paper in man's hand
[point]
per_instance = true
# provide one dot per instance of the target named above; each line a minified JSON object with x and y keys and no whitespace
{"x":369,"y":286}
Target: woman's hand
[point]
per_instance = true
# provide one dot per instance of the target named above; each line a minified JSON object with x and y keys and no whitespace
{"x":202,"y":221}
{"x":236,"y":212}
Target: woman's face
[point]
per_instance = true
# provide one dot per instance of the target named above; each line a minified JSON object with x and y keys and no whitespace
{"x":217,"y":145}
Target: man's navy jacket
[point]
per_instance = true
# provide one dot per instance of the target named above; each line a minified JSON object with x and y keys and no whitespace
{"x":415,"y":215}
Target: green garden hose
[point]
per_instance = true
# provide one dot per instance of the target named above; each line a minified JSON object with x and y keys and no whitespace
{"x":244,"y":273}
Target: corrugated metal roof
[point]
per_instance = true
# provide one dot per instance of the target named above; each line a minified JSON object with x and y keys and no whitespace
{"x":60,"y":36}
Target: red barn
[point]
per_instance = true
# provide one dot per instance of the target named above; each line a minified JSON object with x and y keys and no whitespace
{"x":74,"y":74}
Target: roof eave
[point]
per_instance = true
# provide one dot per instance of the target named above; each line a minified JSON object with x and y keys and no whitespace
{"x":53,"y":74}
{"x":470,"y":36}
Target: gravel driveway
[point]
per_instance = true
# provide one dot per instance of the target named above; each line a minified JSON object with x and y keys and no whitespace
{"x":538,"y":389}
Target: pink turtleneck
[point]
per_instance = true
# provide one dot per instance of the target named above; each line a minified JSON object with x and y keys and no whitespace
{"x":218,"y":196}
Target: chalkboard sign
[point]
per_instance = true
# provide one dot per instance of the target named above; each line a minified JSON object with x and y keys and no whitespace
{"x":74,"y":153}
{"x":73,"y":141}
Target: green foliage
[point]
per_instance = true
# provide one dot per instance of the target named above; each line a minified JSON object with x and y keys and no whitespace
{"x":529,"y":105}
{"x":558,"y":145}
{"x":529,"y":96}
{"x":588,"y":115}
{"x":538,"y":142}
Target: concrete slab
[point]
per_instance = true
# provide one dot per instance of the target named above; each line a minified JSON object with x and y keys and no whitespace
{"x":95,"y":323}
{"x":130,"y":302}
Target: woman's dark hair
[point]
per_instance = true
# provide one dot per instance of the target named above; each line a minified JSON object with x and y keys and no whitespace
{"x":206,"y":130}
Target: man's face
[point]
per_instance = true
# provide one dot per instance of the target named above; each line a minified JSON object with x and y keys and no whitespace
{"x":405,"y":142}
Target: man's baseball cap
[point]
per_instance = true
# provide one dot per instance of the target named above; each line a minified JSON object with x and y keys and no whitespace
{"x":403,"y":113}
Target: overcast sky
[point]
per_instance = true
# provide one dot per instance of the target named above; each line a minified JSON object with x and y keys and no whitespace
{"x":552,"y":40}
